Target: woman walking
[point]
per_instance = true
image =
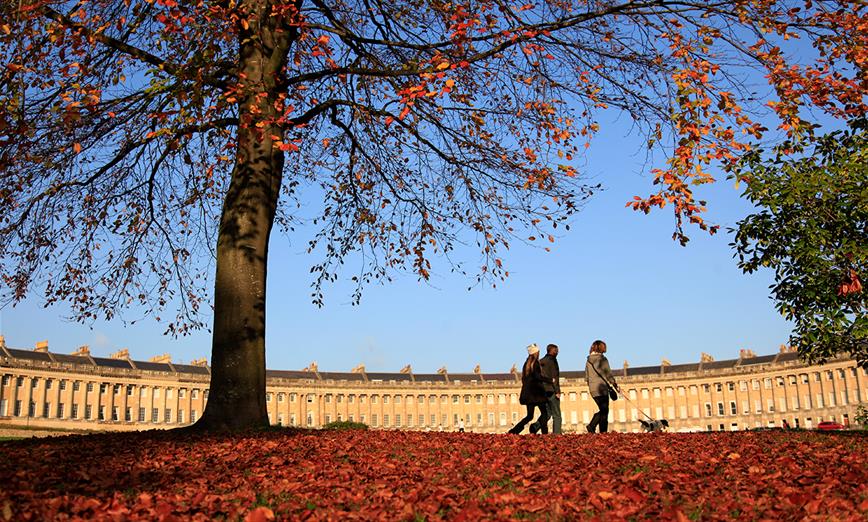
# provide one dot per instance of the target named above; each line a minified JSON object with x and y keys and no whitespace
{"x":532,"y":393}
{"x":600,"y":383}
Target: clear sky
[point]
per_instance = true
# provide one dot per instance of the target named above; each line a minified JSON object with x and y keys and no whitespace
{"x":616,"y":276}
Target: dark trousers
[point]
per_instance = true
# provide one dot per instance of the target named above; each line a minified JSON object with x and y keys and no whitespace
{"x":553,"y":410}
{"x":543,"y":414}
{"x":601,"y":418}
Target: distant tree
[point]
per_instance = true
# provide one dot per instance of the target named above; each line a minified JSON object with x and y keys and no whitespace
{"x":143,"y":140}
{"x":812,"y":230}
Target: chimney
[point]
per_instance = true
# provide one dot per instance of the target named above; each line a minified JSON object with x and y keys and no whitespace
{"x":41,"y":346}
{"x":199,"y":362}
{"x":706,"y":358}
{"x":442,"y":370}
{"x":746,"y":353}
{"x":83,"y":351}
{"x":165,"y":358}
{"x":359,"y":369}
{"x":477,"y":370}
{"x":665,"y":362}
{"x":121,"y":354}
{"x":626,"y":365}
{"x":406,"y":369}
{"x":2,"y":342}
{"x":312,"y":367}
{"x":787,"y":349}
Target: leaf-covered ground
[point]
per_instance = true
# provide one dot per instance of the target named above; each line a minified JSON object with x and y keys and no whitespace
{"x":336,"y":475}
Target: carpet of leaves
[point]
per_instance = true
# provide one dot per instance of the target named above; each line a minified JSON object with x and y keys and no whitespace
{"x":392,"y":475}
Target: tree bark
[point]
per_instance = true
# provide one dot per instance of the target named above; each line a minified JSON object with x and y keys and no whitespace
{"x":237,"y":393}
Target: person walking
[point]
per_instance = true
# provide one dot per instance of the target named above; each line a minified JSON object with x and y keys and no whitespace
{"x":532,"y":392}
{"x":601,"y":382}
{"x":551,"y":373}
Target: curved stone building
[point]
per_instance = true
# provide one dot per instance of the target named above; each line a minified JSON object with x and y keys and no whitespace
{"x":40,"y":388}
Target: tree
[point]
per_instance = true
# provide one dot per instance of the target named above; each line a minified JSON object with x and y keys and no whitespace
{"x":812,"y":230}
{"x":140,"y":140}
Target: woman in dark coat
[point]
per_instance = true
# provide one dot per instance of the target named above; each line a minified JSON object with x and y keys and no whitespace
{"x":600,"y":379}
{"x":532,"y":392}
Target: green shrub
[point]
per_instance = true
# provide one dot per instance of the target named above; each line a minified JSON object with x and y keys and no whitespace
{"x":345,"y":425}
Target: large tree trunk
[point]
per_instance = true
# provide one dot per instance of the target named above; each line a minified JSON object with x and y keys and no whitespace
{"x":237,"y":393}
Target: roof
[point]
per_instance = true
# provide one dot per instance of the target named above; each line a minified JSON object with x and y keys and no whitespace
{"x":342,"y":376}
{"x":643,"y":370}
{"x":71,"y":359}
{"x":719,"y":365}
{"x":388,"y":376}
{"x":190,"y":368}
{"x":112,"y":363}
{"x":29,"y":354}
{"x":762,"y":359}
{"x":289,"y":374}
{"x":681,"y":368}
{"x":434,"y":377}
{"x":152,"y":366}
{"x":498,"y":377}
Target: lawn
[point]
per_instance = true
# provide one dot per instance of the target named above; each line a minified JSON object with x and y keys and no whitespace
{"x":355,"y":474}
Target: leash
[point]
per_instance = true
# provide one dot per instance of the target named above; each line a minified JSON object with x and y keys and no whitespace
{"x":615,"y":387}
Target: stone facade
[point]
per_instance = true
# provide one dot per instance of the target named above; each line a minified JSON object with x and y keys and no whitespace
{"x":43,"y":389}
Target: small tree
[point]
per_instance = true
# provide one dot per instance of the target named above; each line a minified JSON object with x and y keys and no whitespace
{"x":811,"y":230}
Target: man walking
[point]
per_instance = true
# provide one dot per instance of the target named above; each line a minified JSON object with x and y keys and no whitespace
{"x":551,"y":373}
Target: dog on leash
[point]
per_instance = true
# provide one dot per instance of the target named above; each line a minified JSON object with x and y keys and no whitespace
{"x":655,"y":425}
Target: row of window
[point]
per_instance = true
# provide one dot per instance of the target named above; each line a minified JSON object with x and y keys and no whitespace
{"x":88,"y":412}
{"x":117,"y":389}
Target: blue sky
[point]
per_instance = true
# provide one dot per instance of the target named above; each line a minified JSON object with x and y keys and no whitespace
{"x":616,"y":276}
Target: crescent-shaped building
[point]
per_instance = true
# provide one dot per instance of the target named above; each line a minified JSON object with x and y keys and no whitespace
{"x":79,"y":391}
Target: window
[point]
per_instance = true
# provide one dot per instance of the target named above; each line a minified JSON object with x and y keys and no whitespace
{"x":757,"y":406}
{"x":767,"y":383}
{"x":755,"y":384}
{"x":310,"y":398}
{"x":88,"y":412}
{"x":116,"y":414}
{"x":669,"y":392}
{"x":267,"y":396}
{"x":681,"y":391}
{"x":143,"y":392}
{"x":167,"y":416}
{"x":720,"y":408}
{"x":374,"y":420}
{"x":76,"y":385}
{"x":718,"y":387}
{"x":780,"y":381}
{"x":48,"y":383}
{"x":17,"y":410}
{"x":155,"y":415}
{"x":503,"y":418}
{"x":195,"y":415}
{"x":398,"y":421}
{"x":340,"y":398}
{"x":804,"y":377}
{"x":820,"y":400}
{"x":397,"y":399}
{"x":792,"y":380}
{"x":454,"y":399}
{"x":742,"y":385}
{"x":74,"y":412}
{"x":169,"y":393}
{"x":730,"y":386}
{"x":128,"y":415}
{"x":19,"y":382}
{"x":142,"y":412}
{"x":31,"y":412}
{"x":180,"y":416}
{"x":46,"y":408}
{"x":572,"y":396}
{"x":386,"y":420}
{"x":6,"y":379}
{"x":34,"y":383}
{"x":478,"y":399}
{"x":101,"y":413}
{"x":130,"y":390}
{"x":60,"y":408}
{"x":770,"y":405}
{"x":656,"y":393}
{"x":433,"y":420}
{"x":745,"y":407}
{"x":707,"y":410}
{"x":733,"y":409}
{"x":467,"y":399}
{"x":116,"y":389}
{"x":156,"y":393}
{"x":182,"y":393}
{"x":706,"y":388}
{"x":644,"y":393}
{"x":293,"y":397}
{"x":385,"y":401}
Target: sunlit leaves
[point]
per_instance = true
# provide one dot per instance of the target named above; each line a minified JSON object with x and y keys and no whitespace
{"x":333,"y":474}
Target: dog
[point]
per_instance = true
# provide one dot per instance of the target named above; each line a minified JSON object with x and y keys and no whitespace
{"x":655,"y":425}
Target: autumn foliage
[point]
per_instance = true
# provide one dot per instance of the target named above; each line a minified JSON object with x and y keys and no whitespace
{"x":332,"y":475}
